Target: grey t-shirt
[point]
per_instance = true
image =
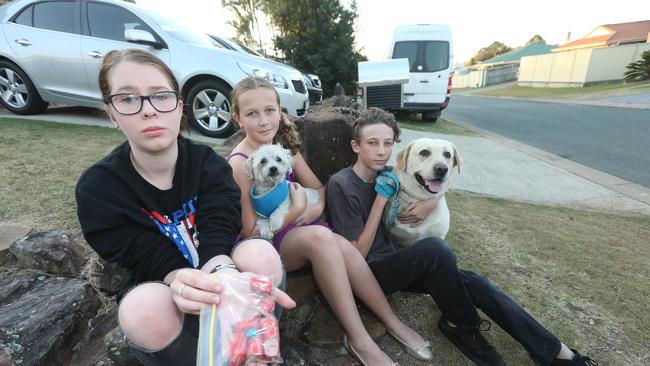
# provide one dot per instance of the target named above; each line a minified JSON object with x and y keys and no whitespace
{"x":349,"y":200}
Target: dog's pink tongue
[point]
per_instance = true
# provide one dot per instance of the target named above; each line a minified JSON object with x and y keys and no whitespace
{"x":434,"y":185}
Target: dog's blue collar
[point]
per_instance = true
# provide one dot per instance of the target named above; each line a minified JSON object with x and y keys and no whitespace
{"x":265,"y":204}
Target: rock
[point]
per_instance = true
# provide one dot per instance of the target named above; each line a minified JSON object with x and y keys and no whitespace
{"x":5,"y":358}
{"x":108,"y":277}
{"x":53,"y":252}
{"x":9,"y":233}
{"x":312,"y":321}
{"x":298,"y":354}
{"x":117,"y":350}
{"x":42,"y":316}
{"x":92,"y":350}
{"x":326,"y":136}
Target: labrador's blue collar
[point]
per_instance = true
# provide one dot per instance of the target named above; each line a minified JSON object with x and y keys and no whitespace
{"x":265,"y":204}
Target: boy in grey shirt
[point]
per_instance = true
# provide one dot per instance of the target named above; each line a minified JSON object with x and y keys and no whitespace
{"x":354,"y":207}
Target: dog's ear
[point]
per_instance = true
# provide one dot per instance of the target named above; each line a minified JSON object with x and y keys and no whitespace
{"x":458,"y":162}
{"x":248,"y":167}
{"x":402,"y":159}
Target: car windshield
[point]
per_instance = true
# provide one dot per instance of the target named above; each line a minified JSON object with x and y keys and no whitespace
{"x":242,"y":47}
{"x":424,"y":56}
{"x":182,"y":32}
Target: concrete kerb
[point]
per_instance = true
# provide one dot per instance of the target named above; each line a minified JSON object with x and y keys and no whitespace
{"x":629,"y":189}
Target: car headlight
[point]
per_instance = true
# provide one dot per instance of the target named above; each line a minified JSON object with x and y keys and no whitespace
{"x":277,"y":80}
{"x":315,"y":80}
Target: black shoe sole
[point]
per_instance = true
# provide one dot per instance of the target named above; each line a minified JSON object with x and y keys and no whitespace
{"x":443,"y":329}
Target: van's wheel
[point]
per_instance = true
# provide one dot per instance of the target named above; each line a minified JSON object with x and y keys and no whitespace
{"x":403,"y":115}
{"x":207,"y":107}
{"x":430,"y":117}
{"x":17,"y":92}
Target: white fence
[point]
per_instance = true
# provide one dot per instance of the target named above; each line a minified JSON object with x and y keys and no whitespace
{"x":485,"y":75}
{"x":579,"y":67}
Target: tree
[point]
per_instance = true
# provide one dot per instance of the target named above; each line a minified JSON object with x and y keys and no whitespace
{"x":639,"y":70}
{"x":245,"y":23}
{"x":536,"y":38}
{"x":486,"y":53}
{"x":317,"y":36}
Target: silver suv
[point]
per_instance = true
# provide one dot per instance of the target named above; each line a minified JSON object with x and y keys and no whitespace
{"x":51,"y":52}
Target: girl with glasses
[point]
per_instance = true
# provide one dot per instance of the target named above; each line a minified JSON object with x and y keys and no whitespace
{"x":166,"y":209}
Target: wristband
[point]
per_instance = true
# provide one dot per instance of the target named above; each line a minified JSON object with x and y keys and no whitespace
{"x":221,"y":266}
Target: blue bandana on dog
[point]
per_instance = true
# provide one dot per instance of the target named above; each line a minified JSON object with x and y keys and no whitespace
{"x":265,"y":204}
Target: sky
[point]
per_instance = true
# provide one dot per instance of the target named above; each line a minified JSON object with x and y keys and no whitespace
{"x":474,"y":24}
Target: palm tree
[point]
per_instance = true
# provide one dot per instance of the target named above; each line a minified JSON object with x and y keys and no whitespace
{"x":639,"y":70}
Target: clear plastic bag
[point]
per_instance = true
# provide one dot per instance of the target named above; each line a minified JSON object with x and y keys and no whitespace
{"x":242,"y":328}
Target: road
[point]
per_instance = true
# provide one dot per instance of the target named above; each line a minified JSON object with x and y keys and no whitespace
{"x":609,"y":139}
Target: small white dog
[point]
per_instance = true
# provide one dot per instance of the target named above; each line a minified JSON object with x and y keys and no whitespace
{"x":424,"y":169}
{"x":268,"y":168}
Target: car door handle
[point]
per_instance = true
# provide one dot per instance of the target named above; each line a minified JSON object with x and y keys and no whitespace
{"x":424,"y":81}
{"x":94,"y":54}
{"x":23,"y":42}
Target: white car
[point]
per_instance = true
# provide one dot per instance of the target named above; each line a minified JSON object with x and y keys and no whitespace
{"x":312,"y":82}
{"x":51,"y":52}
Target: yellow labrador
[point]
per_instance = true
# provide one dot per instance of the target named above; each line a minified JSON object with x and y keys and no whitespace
{"x":424,"y":169}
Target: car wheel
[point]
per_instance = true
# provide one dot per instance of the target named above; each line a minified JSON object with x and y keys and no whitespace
{"x":208,"y":109}
{"x":17,"y":92}
{"x":430,"y":117}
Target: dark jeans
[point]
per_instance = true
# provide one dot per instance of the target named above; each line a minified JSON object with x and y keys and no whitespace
{"x":429,"y":266}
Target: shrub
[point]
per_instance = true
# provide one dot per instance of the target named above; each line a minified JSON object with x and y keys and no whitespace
{"x":639,"y":70}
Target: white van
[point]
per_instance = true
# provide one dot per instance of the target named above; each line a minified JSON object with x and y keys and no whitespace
{"x":428,"y":49}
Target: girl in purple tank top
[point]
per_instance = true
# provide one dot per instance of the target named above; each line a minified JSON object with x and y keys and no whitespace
{"x":340,"y":270}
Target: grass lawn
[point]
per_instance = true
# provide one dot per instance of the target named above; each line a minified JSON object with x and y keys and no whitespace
{"x":584,"y":275}
{"x":602,"y":90}
{"x":414,"y":122}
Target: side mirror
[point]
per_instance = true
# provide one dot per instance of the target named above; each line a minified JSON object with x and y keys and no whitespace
{"x":142,"y":37}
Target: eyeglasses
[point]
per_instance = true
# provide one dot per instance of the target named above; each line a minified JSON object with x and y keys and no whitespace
{"x":129,"y":104}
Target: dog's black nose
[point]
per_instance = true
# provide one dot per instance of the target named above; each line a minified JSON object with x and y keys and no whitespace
{"x":440,"y":170}
{"x":273,"y":170}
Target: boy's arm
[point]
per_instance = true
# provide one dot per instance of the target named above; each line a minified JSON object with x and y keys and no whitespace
{"x":346,"y":217}
{"x":367,"y":235}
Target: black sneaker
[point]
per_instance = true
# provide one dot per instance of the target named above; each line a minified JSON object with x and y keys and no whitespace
{"x":577,"y":360}
{"x":470,"y":341}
